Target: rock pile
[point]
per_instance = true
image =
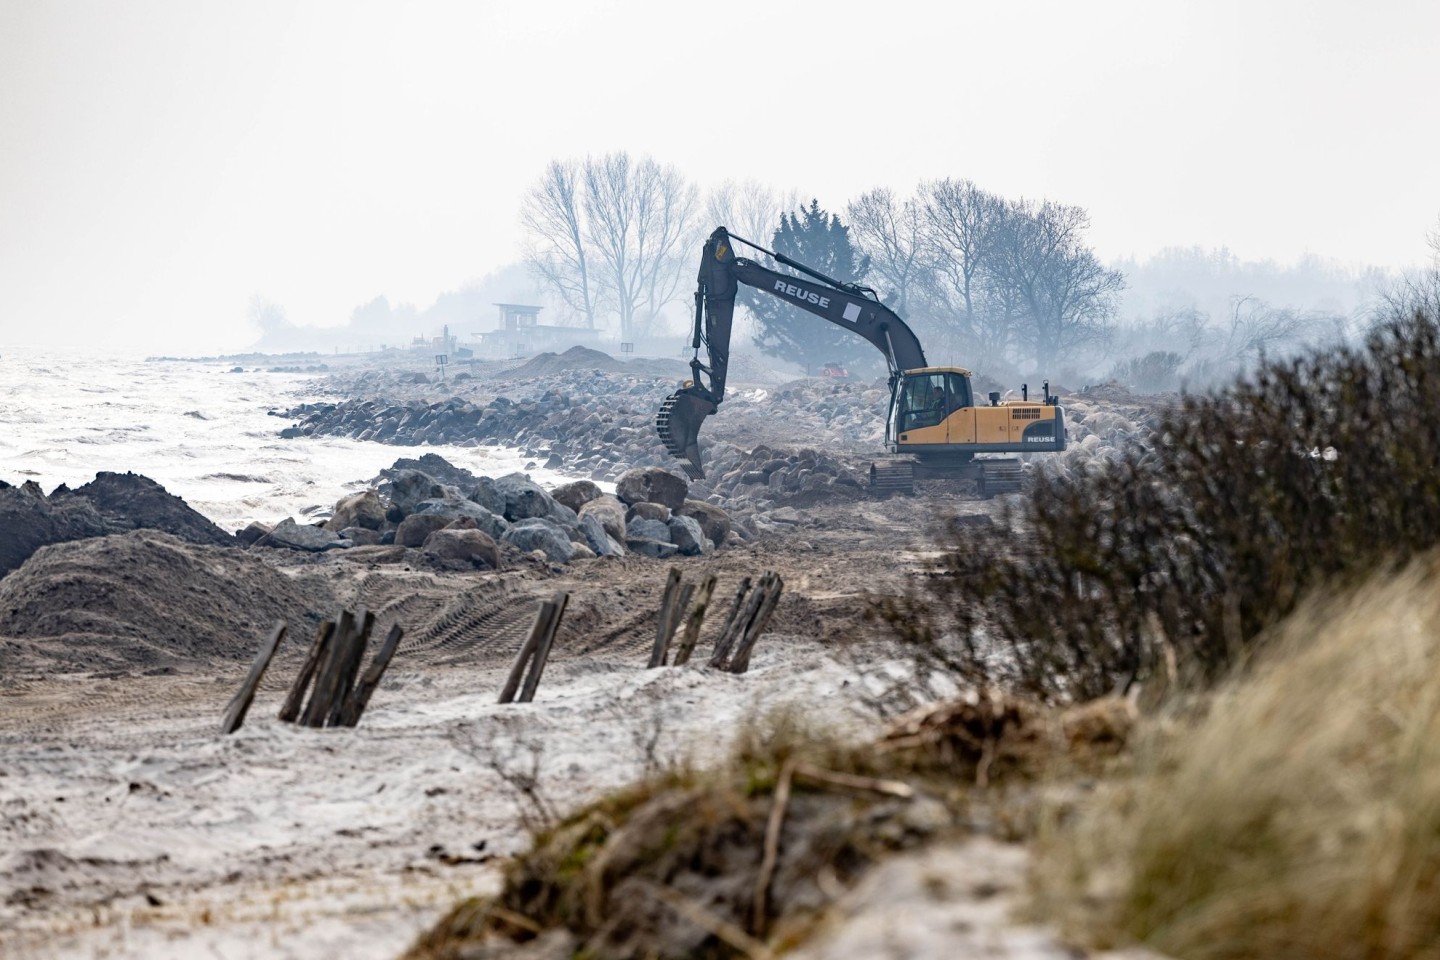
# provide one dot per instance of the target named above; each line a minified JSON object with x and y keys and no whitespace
{"x":460,"y":520}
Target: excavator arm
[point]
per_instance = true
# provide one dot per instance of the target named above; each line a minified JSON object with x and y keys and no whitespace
{"x":847,"y":305}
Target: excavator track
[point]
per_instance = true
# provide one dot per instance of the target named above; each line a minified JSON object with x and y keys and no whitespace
{"x":892,"y":476}
{"x":999,"y":477}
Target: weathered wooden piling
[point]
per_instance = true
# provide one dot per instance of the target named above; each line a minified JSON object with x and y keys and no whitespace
{"x":295,"y":699}
{"x":535,"y":651}
{"x":240,"y":704}
{"x":697,"y":617}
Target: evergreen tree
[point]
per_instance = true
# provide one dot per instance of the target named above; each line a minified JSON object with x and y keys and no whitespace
{"x":819,"y":240}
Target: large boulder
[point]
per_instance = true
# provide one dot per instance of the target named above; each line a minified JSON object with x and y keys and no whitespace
{"x":650,"y":529}
{"x":645,"y":510}
{"x":295,"y":536}
{"x":713,"y":521}
{"x":358,"y":510}
{"x":410,"y":488}
{"x":488,"y":495}
{"x":461,"y":548}
{"x":610,"y":512}
{"x":435,"y":467}
{"x":455,"y":509}
{"x":524,"y":498}
{"x":598,"y":539}
{"x":538,"y":533}
{"x":575,"y":495}
{"x":686,"y":534}
{"x":414,"y":529}
{"x":653,"y":485}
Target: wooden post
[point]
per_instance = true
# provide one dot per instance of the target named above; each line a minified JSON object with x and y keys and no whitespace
{"x":741,"y":661}
{"x":295,"y":699}
{"x":360,"y":699}
{"x":517,"y":669}
{"x":240,"y":705}
{"x":722,"y":647}
{"x":697,"y":617}
{"x":349,"y":669}
{"x":677,"y":613}
{"x":542,"y":649}
{"x":737,"y":626}
{"x":319,"y":706}
{"x":667,"y":605}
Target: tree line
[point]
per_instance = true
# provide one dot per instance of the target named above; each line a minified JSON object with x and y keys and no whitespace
{"x":986,"y":281}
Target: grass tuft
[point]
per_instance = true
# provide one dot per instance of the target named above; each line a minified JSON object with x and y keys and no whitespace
{"x":1299,"y":817}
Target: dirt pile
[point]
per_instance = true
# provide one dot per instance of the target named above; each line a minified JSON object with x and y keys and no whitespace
{"x":129,"y":501}
{"x":144,"y":599}
{"x":111,"y":503}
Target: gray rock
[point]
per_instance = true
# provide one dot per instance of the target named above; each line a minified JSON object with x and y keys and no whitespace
{"x":654,"y":549}
{"x":358,"y":510}
{"x":610,"y":512}
{"x":455,"y":547}
{"x":713,"y":521}
{"x":488,"y":496}
{"x":252,"y":532}
{"x":597,"y":538}
{"x":686,"y":534}
{"x":538,"y":533}
{"x":360,"y":536}
{"x":295,"y":536}
{"x":648,"y":529}
{"x":575,"y":495}
{"x":648,"y":511}
{"x":455,"y":509}
{"x":524,"y":498}
{"x":412,"y":487}
{"x":415,"y":528}
{"x":651,"y":484}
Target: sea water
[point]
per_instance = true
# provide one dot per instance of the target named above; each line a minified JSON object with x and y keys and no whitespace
{"x":201,"y":431}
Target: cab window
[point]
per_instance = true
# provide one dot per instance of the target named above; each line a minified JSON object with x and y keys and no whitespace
{"x":922,"y":401}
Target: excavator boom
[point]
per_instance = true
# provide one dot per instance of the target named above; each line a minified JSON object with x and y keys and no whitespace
{"x":849,"y":306}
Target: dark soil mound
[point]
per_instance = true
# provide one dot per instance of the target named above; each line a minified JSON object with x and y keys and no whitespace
{"x":28,"y":521}
{"x":129,"y":501}
{"x":111,"y":503}
{"x":145,"y":598}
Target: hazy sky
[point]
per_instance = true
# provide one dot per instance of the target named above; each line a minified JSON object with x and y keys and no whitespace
{"x":163,"y":162}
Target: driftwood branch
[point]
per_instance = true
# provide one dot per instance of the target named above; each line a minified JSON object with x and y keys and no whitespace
{"x":726,"y":931}
{"x":889,"y":788}
{"x":772,"y":847}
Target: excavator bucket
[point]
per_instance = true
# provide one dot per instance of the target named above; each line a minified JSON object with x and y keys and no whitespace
{"x":678,"y":424}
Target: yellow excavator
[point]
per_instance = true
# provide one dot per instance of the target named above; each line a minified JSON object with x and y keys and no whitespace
{"x":935,"y":429}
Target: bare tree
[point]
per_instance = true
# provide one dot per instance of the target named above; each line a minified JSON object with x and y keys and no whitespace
{"x":552,"y":216}
{"x":1418,"y":290}
{"x":891,"y":233}
{"x":637,"y":219}
{"x":748,"y":208}
{"x":1038,"y":257}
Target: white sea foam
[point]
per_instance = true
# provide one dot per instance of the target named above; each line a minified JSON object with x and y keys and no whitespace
{"x":197,"y":429}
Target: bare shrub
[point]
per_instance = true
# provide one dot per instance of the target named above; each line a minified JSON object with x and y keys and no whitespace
{"x":517,"y":760}
{"x":1173,"y":556}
